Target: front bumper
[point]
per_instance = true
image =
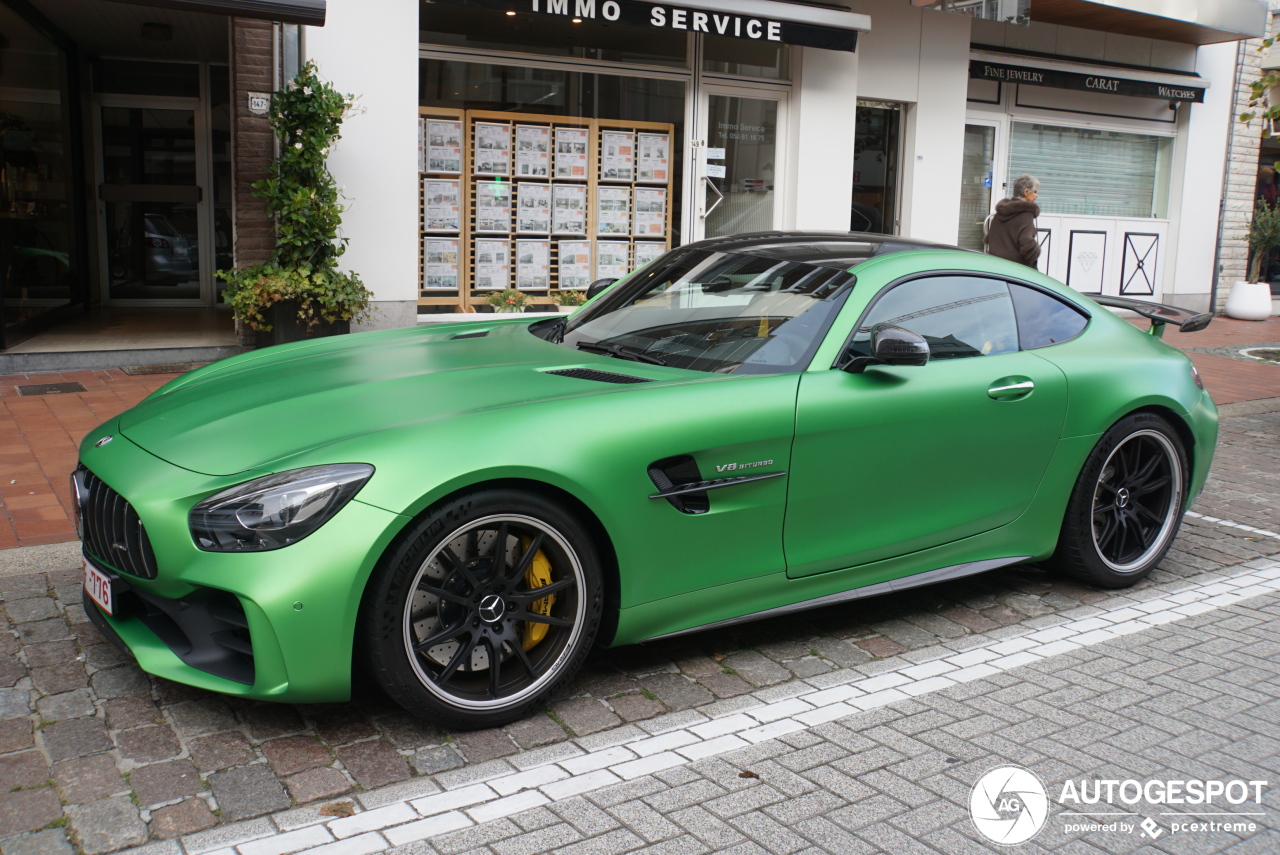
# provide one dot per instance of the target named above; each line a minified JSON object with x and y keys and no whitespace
{"x":275,"y":625}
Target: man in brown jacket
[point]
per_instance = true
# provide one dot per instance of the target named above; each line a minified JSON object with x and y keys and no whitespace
{"x":1012,"y":234}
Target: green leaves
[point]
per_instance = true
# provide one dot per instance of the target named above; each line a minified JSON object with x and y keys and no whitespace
{"x":1264,"y":235}
{"x":302,"y":197}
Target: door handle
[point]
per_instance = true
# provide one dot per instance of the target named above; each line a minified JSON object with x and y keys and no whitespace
{"x":1011,"y":388}
{"x":719,"y":196}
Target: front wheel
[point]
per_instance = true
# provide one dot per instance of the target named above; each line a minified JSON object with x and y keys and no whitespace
{"x":486,"y":605}
{"x":1127,"y":504}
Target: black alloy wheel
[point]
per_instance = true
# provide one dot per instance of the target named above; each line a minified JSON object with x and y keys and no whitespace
{"x":1134,"y":501}
{"x":493,"y":601}
{"x":1127,"y":504}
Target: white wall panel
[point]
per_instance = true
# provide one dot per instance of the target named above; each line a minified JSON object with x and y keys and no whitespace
{"x":370,"y":48}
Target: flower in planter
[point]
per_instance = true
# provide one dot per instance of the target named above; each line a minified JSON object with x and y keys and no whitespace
{"x":509,"y":300}
{"x":570,"y":298}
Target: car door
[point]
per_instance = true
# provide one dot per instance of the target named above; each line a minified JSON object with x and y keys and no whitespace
{"x":899,"y":459}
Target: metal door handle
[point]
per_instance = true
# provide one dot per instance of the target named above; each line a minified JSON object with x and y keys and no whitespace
{"x":1010,"y":387}
{"x":719,"y":197}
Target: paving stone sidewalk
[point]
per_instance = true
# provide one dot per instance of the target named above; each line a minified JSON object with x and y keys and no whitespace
{"x":89,"y":742}
{"x":1194,"y":699}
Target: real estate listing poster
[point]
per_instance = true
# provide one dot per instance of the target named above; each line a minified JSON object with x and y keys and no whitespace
{"x":571,"y":152}
{"x":653,"y":158}
{"x":493,"y":149}
{"x":533,"y":151}
{"x":493,"y":207}
{"x":442,"y":204}
{"x":575,"y":265}
{"x":493,"y":265}
{"x":440,"y":264}
{"x":533,"y":210}
{"x":613,"y":211}
{"x":444,"y":147}
{"x":533,"y":265}
{"x":611,"y":259}
{"x":647,"y":251}
{"x":651,"y":212}
{"x":570,"y":211}
{"x":617,"y":155}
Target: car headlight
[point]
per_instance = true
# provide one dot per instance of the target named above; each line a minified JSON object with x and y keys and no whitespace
{"x":275,"y":511}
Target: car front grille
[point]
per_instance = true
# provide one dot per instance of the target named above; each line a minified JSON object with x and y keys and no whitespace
{"x":113,"y":535}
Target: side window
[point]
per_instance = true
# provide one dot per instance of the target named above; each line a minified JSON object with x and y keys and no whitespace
{"x":1044,"y":320}
{"x":959,"y":316}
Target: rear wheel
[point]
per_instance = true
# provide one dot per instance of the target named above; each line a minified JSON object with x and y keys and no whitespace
{"x":1127,"y":504}
{"x":489,"y":603}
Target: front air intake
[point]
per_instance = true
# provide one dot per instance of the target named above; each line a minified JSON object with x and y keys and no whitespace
{"x":598,"y":376}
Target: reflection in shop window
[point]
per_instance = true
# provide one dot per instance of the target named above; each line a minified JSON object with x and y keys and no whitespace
{"x":37,"y":265}
{"x":745,"y":58}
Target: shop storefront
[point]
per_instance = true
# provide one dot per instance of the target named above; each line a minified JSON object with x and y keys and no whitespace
{"x":564,"y":142}
{"x":1108,"y":146}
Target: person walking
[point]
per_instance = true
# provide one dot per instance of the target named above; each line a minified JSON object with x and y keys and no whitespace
{"x":1012,"y":233}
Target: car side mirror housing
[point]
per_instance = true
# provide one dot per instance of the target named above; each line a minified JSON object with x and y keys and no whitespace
{"x":599,"y":285}
{"x":890,"y":345}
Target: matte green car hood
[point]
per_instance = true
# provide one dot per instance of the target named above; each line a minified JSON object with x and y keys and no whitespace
{"x":249,"y":411}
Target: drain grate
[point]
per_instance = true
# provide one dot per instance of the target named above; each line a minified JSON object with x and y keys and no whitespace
{"x":49,"y":389}
{"x":167,"y":368}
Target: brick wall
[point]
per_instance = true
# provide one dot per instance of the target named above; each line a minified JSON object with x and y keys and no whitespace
{"x":252,"y":143}
{"x":1242,"y":176}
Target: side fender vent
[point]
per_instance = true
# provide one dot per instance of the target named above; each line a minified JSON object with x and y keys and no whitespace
{"x":672,"y":473}
{"x":599,"y":376}
{"x":480,"y":334}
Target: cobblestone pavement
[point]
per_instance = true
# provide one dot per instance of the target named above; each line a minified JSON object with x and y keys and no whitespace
{"x":91,"y":747}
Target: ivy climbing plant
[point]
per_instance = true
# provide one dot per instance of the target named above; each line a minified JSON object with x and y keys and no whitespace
{"x":303,"y":199}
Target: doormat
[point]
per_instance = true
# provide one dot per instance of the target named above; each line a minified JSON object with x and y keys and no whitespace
{"x":49,"y":389}
{"x":168,"y":368}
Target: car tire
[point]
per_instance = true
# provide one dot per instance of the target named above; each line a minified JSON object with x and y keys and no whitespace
{"x":1127,"y":504}
{"x":445,"y":604}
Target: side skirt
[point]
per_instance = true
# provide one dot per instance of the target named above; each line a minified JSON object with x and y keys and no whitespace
{"x":943,"y":574}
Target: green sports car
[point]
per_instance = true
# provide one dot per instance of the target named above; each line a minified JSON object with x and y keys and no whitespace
{"x":744,"y":427}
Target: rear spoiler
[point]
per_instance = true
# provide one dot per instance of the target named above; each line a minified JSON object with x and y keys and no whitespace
{"x":1160,"y":314}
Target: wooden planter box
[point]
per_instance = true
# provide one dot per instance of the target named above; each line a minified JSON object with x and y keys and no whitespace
{"x":286,"y":328}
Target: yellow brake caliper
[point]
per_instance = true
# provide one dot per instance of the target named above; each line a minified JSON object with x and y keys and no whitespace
{"x":538,"y":575}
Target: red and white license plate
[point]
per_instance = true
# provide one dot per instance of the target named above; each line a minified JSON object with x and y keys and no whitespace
{"x":98,"y":586}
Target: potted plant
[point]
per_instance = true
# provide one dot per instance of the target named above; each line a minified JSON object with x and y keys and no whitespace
{"x":300,"y":292}
{"x":1251,"y":300}
{"x":569,"y":301}
{"x":509,"y":300}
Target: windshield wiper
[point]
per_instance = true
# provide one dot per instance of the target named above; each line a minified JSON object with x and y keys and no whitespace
{"x":620,"y":351}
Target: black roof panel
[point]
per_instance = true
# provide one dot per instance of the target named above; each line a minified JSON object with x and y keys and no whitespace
{"x":840,"y":250}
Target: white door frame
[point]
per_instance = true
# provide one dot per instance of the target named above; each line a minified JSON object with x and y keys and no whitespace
{"x":204,"y":181}
{"x":696,"y":159}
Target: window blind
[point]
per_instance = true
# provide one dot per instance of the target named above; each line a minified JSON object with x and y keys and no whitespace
{"x":1090,"y":172}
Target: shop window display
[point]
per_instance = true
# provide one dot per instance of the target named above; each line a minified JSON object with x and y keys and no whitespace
{"x":541,"y":180}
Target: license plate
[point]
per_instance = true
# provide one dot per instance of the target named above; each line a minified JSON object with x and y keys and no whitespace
{"x":98,"y":586}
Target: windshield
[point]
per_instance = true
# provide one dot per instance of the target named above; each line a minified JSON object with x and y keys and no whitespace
{"x":715,"y":311}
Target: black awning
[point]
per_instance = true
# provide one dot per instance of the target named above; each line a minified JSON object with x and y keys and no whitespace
{"x":309,"y":12}
{"x":1103,"y":83}
{"x":794,"y":28}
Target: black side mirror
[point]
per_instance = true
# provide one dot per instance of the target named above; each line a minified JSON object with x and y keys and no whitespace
{"x":890,"y":345}
{"x":599,"y":285}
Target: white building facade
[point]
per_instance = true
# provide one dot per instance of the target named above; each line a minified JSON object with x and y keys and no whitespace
{"x":542,"y":144}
